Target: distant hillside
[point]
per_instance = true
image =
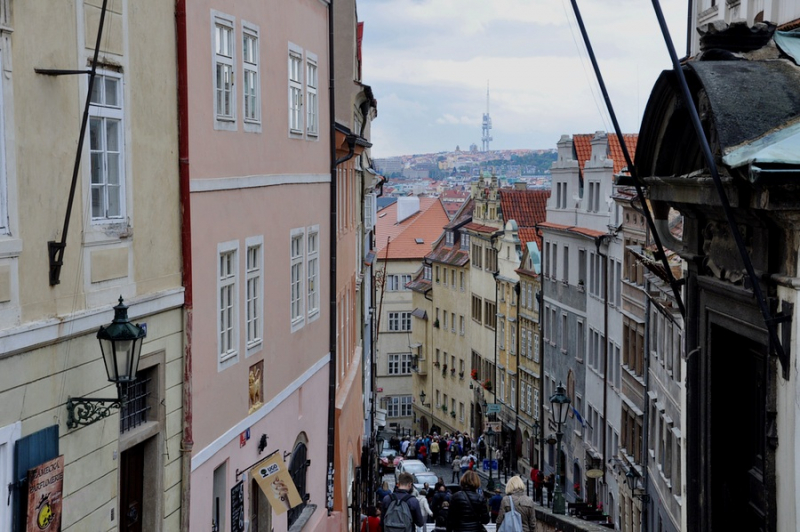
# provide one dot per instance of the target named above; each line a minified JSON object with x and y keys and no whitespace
{"x":542,"y":160}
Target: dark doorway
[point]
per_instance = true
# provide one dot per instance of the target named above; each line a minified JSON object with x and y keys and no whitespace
{"x":261,"y":515}
{"x":737,"y":456}
{"x":131,"y":489}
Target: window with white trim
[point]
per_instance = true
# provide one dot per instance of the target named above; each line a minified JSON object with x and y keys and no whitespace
{"x":513,"y":380}
{"x":107,"y":148}
{"x":399,"y":364}
{"x":250,"y":70}
{"x":312,"y":269}
{"x":224,"y":57}
{"x":295,"y":90}
{"x":227,"y":304}
{"x":405,"y":406}
{"x":296,"y":279}
{"x":399,"y":321}
{"x":312,"y":102}
{"x":254,"y":293}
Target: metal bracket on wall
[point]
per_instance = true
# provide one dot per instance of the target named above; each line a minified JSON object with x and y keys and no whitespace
{"x":781,"y":319}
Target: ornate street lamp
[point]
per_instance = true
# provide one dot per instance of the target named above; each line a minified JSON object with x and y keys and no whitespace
{"x":121,"y":346}
{"x":560,"y":409}
{"x":422,"y":397}
{"x":632,"y":477}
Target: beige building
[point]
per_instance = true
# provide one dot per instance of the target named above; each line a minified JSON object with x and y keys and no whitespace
{"x":121,"y":238}
{"x":404,"y":233}
{"x":440,"y":341}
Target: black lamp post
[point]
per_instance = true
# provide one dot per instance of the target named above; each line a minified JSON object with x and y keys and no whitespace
{"x":121,"y":346}
{"x":560,"y":403}
{"x":632,"y":477}
{"x":490,"y":435}
{"x":422,"y":397}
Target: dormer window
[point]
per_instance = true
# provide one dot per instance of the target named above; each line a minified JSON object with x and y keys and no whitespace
{"x":464,"y":241}
{"x":449,"y":238}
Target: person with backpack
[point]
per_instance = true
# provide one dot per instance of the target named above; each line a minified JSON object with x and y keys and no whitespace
{"x":400,"y":509}
{"x":468,"y":511}
{"x":517,"y":513}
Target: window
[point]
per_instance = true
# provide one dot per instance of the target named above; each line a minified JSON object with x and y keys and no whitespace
{"x":464,"y":241}
{"x":224,"y":97}
{"x":491,"y":259}
{"x":452,"y":322}
{"x":399,"y":364}
{"x":581,"y":269}
{"x":444,"y":322}
{"x":312,"y":269}
{"x":581,"y":342}
{"x":254,"y":304}
{"x":136,"y":410}
{"x":461,"y":325}
{"x":535,"y":347}
{"x":449,"y":238}
{"x":399,"y":321}
{"x":106,"y":146}
{"x":405,"y":406}
{"x":476,"y":308}
{"x":565,"y":278}
{"x":461,"y":280}
{"x":523,"y":338}
{"x":501,"y":337}
{"x":513,"y":342}
{"x":312,"y":106}
{"x":298,"y":466}
{"x":477,"y":256}
{"x":438,"y":280}
{"x":490,"y":320}
{"x":564,"y":332}
{"x":426,"y":273}
{"x":461,"y":412}
{"x":513,"y":392}
{"x":295,"y":90}
{"x":296,"y":281}
{"x":398,"y":282}
{"x":250,"y":60}
{"x":227,"y":304}
{"x":535,"y":403}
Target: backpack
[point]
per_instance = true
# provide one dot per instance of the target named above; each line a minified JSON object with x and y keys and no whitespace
{"x":512,"y":520}
{"x":398,"y":515}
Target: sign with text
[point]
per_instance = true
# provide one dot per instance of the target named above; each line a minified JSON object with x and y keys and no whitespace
{"x":237,"y":507}
{"x":493,"y":408}
{"x":276,"y":483}
{"x":45,"y":484}
{"x":496,"y":426}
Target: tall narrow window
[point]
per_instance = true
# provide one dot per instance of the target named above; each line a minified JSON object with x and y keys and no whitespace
{"x":312,"y":268}
{"x":250,"y":60}
{"x":254,"y":292}
{"x":224,"y":97}
{"x":296,"y":280}
{"x":227,"y":304}
{"x":106,"y":143}
{"x":295,"y":90}
{"x":312,"y":120}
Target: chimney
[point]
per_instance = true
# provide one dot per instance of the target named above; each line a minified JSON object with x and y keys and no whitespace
{"x":407,"y":206}
{"x":520,"y":185}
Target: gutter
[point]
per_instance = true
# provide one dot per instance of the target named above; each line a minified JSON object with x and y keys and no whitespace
{"x":331,"y":448}
{"x":187,"y":440}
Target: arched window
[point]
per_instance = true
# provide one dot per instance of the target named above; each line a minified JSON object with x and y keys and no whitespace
{"x":297,"y":468}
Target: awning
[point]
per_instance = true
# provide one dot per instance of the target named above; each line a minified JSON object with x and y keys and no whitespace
{"x":419,"y":313}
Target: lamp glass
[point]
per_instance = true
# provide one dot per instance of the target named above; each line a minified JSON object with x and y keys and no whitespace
{"x":121,"y":346}
{"x":560,"y":402}
{"x":422,"y":396}
{"x":630,"y":478}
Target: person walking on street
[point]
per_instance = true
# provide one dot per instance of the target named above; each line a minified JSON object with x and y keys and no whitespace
{"x":515,"y":490}
{"x":435,"y":452}
{"x":424,"y":508}
{"x":456,"y":469}
{"x":468,"y":511}
{"x":402,"y":494}
{"x":494,"y":505}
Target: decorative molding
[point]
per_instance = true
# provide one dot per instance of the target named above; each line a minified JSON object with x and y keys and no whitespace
{"x":256,"y":181}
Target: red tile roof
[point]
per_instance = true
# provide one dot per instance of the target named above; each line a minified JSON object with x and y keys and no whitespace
{"x":582,"y":145}
{"x":526,"y":207}
{"x":480,"y":228}
{"x":572,"y":229}
{"x":425,"y":225}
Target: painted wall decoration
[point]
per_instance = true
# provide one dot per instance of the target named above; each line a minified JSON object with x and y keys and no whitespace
{"x":256,"y":386}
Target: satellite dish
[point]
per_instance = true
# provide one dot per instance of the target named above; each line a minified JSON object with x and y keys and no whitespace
{"x":594,"y":473}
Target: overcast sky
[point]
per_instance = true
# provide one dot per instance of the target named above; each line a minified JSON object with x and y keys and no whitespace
{"x":428,"y":62}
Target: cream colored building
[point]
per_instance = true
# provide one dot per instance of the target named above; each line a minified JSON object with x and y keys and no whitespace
{"x":440,"y":340}
{"x":124,"y":240}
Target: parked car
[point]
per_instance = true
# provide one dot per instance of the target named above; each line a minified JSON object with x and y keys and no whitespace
{"x":410,"y":466}
{"x":389,"y":460}
{"x":421,"y":478}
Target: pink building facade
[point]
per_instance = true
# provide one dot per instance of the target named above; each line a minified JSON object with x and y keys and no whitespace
{"x":256,"y":117}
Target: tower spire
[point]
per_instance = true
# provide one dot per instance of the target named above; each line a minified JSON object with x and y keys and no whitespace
{"x":487,"y":122}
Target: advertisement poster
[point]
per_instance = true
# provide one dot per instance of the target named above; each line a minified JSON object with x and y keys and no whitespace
{"x":274,"y":480}
{"x":45,"y":483}
{"x":237,"y":507}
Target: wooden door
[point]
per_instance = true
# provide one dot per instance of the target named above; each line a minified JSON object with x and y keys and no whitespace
{"x":131,"y":489}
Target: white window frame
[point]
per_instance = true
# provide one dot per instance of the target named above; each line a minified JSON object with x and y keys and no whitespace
{"x":231,"y":280}
{"x":297,"y":319}
{"x":104,"y":112}
{"x":406,"y":406}
{"x":252,"y":124}
{"x":295,"y":87}
{"x":312,"y":95}
{"x":399,"y":321}
{"x":222,"y":121}
{"x":254,"y":301}
{"x":313,"y":278}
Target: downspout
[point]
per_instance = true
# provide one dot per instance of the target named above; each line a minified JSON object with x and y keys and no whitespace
{"x":599,"y":242}
{"x":519,"y":387}
{"x":187,"y":439}
{"x":331,"y":454}
{"x":540,"y":300}
{"x":646,"y":416}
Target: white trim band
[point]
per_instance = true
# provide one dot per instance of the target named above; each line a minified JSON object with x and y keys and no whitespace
{"x":256,"y":181}
{"x":232,"y":433}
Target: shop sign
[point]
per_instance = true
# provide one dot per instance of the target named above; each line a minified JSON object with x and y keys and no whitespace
{"x":276,"y":483}
{"x":45,"y":485}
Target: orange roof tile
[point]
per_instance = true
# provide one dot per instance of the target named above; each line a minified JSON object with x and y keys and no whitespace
{"x":572,"y":229}
{"x":582,"y":145}
{"x":480,"y":228}
{"x":426,"y":225}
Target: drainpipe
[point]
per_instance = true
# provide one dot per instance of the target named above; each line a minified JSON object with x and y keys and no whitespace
{"x":187,"y":441}
{"x":646,"y":416}
{"x":519,"y":387}
{"x":331,"y":449}
{"x":540,"y":300}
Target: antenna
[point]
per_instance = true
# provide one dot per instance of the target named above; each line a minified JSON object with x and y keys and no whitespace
{"x":487,"y":122}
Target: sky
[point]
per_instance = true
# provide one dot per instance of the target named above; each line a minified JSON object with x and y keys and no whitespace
{"x":429,"y":62}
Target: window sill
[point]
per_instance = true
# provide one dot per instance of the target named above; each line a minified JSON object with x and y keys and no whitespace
{"x":305,"y":516}
{"x":251,"y":126}
{"x":224,"y":123}
{"x":254,"y":347}
{"x":10,"y":247}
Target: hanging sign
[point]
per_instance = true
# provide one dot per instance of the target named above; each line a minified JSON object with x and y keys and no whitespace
{"x":45,"y":483}
{"x":237,"y":507}
{"x":276,"y":484}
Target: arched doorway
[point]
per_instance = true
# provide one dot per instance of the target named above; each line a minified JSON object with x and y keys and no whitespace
{"x":423,"y":425}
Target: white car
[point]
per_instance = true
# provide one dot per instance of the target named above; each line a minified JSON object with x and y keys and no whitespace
{"x":410,"y":466}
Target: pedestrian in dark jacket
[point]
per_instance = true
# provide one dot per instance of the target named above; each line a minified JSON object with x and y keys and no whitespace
{"x":405,"y":485}
{"x":441,"y":496}
{"x":468,"y":511}
{"x":494,"y":505}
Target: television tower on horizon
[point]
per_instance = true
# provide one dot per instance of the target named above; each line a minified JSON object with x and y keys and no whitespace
{"x":487,"y":123}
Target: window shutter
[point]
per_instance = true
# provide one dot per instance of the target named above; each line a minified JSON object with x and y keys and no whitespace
{"x":29,"y":452}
